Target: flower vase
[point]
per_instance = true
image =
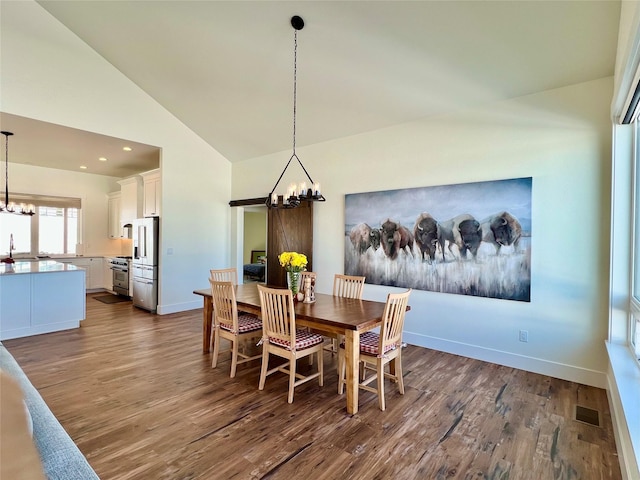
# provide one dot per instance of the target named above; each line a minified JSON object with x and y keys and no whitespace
{"x":293,"y":283}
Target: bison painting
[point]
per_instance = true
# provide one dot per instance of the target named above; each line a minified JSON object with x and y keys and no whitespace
{"x":470,"y":238}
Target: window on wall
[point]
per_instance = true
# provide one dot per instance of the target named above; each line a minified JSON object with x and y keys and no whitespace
{"x":53,"y":230}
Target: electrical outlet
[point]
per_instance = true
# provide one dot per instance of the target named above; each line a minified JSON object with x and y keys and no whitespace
{"x":524,"y":336}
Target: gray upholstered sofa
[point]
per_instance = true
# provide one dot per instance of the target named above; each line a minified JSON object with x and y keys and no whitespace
{"x":61,"y":458}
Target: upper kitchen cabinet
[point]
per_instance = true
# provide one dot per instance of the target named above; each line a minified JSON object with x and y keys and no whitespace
{"x":152,"y":193}
{"x":130,"y":199}
{"x":115,"y":230}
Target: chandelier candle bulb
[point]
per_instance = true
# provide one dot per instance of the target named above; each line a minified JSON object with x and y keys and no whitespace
{"x":316,"y":189}
{"x":303,"y":189}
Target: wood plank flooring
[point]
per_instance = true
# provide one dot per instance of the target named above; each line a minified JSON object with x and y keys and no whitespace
{"x":141,"y":401}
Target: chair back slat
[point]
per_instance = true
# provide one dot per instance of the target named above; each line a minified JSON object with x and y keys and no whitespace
{"x":278,"y":314}
{"x":348,"y":286}
{"x":393,"y":320}
{"x":225,"y":309}
{"x":225,"y":275}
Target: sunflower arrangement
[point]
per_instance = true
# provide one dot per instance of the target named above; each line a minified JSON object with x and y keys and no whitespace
{"x":293,"y":261}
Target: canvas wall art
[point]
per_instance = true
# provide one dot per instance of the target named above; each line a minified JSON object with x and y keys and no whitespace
{"x":467,"y":239}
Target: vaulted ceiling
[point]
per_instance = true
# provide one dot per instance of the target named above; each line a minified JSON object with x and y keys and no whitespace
{"x":225,"y":68}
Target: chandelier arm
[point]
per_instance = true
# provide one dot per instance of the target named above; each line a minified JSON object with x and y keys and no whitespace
{"x":281,"y":175}
{"x":305,"y":170}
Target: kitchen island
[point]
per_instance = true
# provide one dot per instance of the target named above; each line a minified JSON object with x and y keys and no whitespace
{"x":40,"y":297}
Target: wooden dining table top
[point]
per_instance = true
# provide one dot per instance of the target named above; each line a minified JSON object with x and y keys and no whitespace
{"x":332,"y":313}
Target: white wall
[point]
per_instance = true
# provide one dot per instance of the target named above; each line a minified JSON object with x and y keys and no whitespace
{"x":49,"y":74}
{"x":561,"y":138}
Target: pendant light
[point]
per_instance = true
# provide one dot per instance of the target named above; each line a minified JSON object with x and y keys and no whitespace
{"x":300,"y":192}
{"x":5,"y":205}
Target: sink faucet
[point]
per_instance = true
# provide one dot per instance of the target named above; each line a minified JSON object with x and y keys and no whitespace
{"x":10,"y":259}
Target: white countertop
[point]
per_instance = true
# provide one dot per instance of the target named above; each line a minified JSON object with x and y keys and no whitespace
{"x":36,"y":266}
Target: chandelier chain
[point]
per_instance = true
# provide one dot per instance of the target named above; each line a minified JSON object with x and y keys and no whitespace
{"x":295,"y":84}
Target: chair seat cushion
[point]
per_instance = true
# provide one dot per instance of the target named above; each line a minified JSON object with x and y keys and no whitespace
{"x":369,"y":343}
{"x":304,"y":339}
{"x":246,"y":323}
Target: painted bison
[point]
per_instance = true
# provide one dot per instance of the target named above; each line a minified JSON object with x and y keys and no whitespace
{"x":425,"y":233}
{"x":449,"y":234}
{"x":362,"y":237}
{"x":501,"y":230}
{"x":470,"y":236}
{"x":394,"y":237}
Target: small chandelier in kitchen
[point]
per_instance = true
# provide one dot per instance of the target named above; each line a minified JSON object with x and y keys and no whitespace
{"x":5,"y":205}
{"x":302,"y":192}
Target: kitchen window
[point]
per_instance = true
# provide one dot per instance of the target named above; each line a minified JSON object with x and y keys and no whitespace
{"x":53,"y":230}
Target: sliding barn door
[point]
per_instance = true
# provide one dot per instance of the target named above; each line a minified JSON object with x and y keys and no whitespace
{"x":288,"y":230}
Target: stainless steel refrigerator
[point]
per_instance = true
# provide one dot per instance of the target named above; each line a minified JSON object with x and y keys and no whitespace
{"x":145,"y":263}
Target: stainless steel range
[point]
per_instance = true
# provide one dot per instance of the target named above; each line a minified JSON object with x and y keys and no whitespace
{"x":121,"y":267}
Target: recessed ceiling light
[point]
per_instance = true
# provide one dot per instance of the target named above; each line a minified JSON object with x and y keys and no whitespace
{"x":127,"y":149}
{"x":83,"y":167}
{"x":103,"y":159}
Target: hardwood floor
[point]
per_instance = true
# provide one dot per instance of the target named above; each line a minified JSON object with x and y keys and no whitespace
{"x":141,"y":401}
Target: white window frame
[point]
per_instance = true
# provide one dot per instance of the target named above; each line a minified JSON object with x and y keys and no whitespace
{"x":633,"y":339}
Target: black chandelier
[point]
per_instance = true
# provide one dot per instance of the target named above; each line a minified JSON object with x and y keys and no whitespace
{"x":302,"y":192}
{"x":5,"y":205}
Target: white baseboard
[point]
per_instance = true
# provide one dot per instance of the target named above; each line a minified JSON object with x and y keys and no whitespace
{"x":530,"y":364}
{"x":179,"y":307}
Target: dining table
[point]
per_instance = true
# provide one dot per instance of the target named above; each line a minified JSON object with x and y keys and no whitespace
{"x":328,"y":314}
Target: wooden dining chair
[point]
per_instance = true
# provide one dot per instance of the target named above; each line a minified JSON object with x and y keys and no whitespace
{"x":281,"y":337}
{"x":228,"y":323}
{"x":225,"y":275}
{"x":346,"y":286}
{"x":378,"y":350}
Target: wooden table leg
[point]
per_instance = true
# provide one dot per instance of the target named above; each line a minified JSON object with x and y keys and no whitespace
{"x":352,"y":347}
{"x":207,"y":319}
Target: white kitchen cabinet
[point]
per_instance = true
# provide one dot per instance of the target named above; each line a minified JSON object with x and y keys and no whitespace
{"x":130,"y":199}
{"x":93,"y":267}
{"x":96,"y":272}
{"x":152,"y":193}
{"x":81,"y":262}
{"x":114,"y":200}
{"x":35,"y":300}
